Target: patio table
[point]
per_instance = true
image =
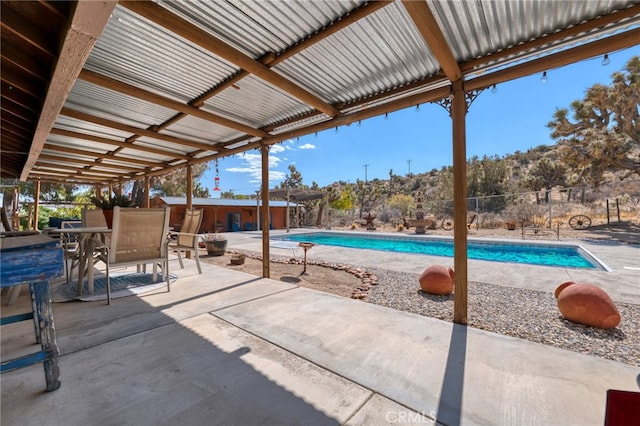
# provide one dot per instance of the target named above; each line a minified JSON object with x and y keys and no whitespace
{"x":33,"y":259}
{"x":86,"y":245}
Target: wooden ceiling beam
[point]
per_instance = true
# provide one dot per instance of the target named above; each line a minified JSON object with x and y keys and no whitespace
{"x":24,"y":30}
{"x":533,"y":45}
{"x":113,"y":84}
{"x":87,"y":23}
{"x":18,"y":80}
{"x":180,"y":26}
{"x":44,"y":166}
{"x":428,"y":26}
{"x":84,"y":163}
{"x":136,"y":130}
{"x":599,"y":47}
{"x":338,"y":25}
{"x":67,"y":179}
{"x":93,"y":154}
{"x":125,"y":145}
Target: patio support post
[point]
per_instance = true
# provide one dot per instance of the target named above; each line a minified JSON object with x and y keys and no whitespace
{"x":36,"y":205}
{"x":264,"y":150}
{"x":458,"y":115}
{"x":189,"y":188}
{"x":189,"y":205}
{"x":147,"y":192}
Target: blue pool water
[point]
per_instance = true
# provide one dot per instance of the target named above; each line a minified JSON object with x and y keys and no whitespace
{"x":547,"y":255}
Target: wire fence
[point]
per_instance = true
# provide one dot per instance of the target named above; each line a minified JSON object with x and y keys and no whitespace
{"x":572,"y":207}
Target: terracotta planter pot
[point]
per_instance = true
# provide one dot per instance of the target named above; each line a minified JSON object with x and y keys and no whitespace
{"x":587,"y":304}
{"x":437,"y":279}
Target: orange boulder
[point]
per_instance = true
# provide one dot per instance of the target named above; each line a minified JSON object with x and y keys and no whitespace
{"x":587,"y":304}
{"x":437,"y":279}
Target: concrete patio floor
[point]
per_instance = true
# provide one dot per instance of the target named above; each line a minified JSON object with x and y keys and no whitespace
{"x":229,"y":348}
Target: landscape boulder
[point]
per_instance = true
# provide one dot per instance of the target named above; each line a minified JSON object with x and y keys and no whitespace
{"x":437,"y":279}
{"x":587,"y":304}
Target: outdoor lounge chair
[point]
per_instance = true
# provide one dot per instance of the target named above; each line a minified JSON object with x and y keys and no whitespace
{"x":187,"y":238}
{"x":138,"y":237}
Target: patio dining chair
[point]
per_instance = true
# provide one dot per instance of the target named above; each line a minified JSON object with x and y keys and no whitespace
{"x":70,"y":247}
{"x":138,"y":237}
{"x":187,"y":238}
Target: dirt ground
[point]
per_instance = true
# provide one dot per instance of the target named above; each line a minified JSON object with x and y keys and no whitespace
{"x":321,"y":278}
{"x":343,"y":283}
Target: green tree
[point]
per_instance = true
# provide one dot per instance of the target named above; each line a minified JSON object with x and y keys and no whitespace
{"x":402,"y":203}
{"x":604,"y":132}
{"x":345,"y":201}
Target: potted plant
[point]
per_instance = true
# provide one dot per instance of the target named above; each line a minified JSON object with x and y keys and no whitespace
{"x":107,"y":204}
{"x":216,"y":244}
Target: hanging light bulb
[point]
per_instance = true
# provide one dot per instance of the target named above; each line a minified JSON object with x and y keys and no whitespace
{"x":606,"y":61}
{"x":386,"y":115}
{"x":336,"y":129}
{"x":494,"y":89}
{"x":544,"y":77}
{"x":359,"y":123}
{"x":418,"y":108}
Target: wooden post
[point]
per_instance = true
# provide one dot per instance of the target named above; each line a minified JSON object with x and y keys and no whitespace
{"x":189,"y":200}
{"x":147,"y":192}
{"x":608,"y":220}
{"x":458,"y":115}
{"x":264,"y":150}
{"x":36,"y":206}
{"x":189,"y":187}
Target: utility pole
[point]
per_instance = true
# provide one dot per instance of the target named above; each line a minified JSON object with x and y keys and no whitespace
{"x":363,"y":189}
{"x":409,"y":163}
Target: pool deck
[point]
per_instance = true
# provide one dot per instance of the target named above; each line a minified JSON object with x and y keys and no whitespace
{"x":622,"y":283}
{"x":230,"y":348}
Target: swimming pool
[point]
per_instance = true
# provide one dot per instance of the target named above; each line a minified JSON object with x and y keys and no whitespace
{"x":566,"y":256}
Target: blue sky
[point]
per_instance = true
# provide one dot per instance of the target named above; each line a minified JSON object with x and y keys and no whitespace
{"x":418,"y":140}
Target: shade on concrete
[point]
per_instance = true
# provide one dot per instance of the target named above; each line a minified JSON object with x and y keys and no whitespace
{"x":225,"y":347}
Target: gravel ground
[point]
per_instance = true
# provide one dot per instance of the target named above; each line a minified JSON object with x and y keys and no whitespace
{"x":526,"y":314}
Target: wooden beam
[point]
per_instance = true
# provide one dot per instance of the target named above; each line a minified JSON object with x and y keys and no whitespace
{"x":120,"y":144}
{"x":84,"y":163}
{"x":428,"y":26}
{"x":147,"y":192}
{"x":458,"y":115}
{"x":610,"y":44}
{"x":93,"y":154}
{"x":87,"y":23}
{"x":183,"y":28}
{"x":189,"y":188}
{"x":136,"y":130}
{"x":36,"y":208}
{"x":553,"y":38}
{"x":118,"y":86}
{"x":336,"y":26}
{"x":266,"y":256}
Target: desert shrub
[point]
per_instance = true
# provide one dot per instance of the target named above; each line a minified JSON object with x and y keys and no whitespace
{"x":490,"y":220}
{"x":523,"y":211}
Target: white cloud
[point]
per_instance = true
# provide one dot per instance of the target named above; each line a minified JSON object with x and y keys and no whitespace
{"x":307,"y":146}
{"x":252,"y":166}
{"x":276,"y":148}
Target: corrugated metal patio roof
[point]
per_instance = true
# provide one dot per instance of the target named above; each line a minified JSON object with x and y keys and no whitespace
{"x":143,"y":88}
